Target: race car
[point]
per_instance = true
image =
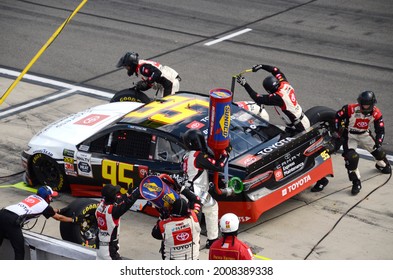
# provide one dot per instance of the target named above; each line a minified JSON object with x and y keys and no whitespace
{"x":123,"y":142}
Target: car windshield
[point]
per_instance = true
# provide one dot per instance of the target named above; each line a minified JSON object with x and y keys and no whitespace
{"x":247,"y":131}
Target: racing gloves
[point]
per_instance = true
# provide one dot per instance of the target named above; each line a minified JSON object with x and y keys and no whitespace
{"x":257,"y":67}
{"x":133,"y":192}
{"x":241,"y":80}
{"x":194,"y":201}
{"x":77,"y":219}
{"x":142,"y":85}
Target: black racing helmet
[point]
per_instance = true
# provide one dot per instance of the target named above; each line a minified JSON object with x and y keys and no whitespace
{"x":180,"y":208}
{"x":109,"y":193}
{"x":271,"y":84}
{"x":194,"y":140}
{"x":367,"y":98}
{"x":130,"y":59}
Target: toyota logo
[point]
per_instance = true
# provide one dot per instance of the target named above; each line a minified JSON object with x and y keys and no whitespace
{"x":100,"y":221}
{"x":182,"y":236}
{"x":30,"y":200}
{"x":362,"y":124}
{"x":91,"y":119}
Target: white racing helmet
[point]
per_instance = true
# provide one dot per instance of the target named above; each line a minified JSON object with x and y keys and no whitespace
{"x":229,"y":223}
{"x":254,"y":108}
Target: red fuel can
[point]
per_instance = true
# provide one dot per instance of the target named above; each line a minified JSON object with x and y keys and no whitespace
{"x":219,"y":118}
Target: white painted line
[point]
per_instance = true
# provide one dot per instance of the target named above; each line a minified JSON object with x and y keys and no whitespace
{"x":56,"y":83}
{"x":228,"y":37}
{"x":34,"y":103}
{"x":368,"y":155}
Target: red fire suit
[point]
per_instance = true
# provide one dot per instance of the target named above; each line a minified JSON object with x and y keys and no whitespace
{"x":230,"y":248}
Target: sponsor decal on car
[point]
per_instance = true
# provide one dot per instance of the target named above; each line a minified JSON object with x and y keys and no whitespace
{"x":195,"y":125}
{"x":84,"y":148}
{"x":248,"y":160}
{"x":244,"y":219}
{"x":290,"y":164}
{"x":68,"y":153}
{"x":295,"y":185}
{"x":225,"y":121}
{"x":84,"y":164}
{"x":143,"y":171}
{"x":292,"y":167}
{"x":43,"y":151}
{"x":91,"y":119}
{"x":69,"y":168}
{"x":278,"y":174}
{"x":275,"y":146}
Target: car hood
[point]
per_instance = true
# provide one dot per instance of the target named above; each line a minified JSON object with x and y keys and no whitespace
{"x":77,"y":127}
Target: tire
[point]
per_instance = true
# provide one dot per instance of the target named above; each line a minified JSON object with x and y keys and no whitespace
{"x":84,"y":233}
{"x":130,"y":95}
{"x":326,"y":116}
{"x":321,"y":114}
{"x":48,"y":172}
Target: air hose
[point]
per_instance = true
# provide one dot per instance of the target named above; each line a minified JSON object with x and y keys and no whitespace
{"x":343,"y":215}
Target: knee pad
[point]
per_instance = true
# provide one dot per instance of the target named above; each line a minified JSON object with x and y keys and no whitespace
{"x":351,"y":159}
{"x":353,"y":175}
{"x":379,"y":154}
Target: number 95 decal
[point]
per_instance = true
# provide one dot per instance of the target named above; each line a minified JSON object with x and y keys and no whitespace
{"x":325,"y":155}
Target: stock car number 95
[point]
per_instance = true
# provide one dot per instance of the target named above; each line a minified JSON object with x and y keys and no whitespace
{"x":117,"y":172}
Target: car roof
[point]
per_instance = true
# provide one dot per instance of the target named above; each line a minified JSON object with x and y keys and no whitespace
{"x":174,"y":114}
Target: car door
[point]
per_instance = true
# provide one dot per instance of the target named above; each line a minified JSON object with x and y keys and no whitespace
{"x":117,"y":156}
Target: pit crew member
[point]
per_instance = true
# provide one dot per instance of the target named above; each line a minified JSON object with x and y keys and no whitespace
{"x":196,"y":164}
{"x":229,"y":247}
{"x":108,"y":213}
{"x":154,"y":75}
{"x":282,"y":96}
{"x":353,"y":123}
{"x":13,"y":217}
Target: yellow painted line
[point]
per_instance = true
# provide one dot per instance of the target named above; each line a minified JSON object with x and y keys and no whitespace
{"x":21,"y":186}
{"x":261,"y":257}
{"x":41,"y":51}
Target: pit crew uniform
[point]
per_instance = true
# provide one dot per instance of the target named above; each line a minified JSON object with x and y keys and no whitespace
{"x":14,"y":216}
{"x":283,"y":99}
{"x":230,"y":248}
{"x":162,"y":78}
{"x":354,"y":128}
{"x":196,"y":165}
{"x":180,"y":235}
{"x":108,"y":221}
